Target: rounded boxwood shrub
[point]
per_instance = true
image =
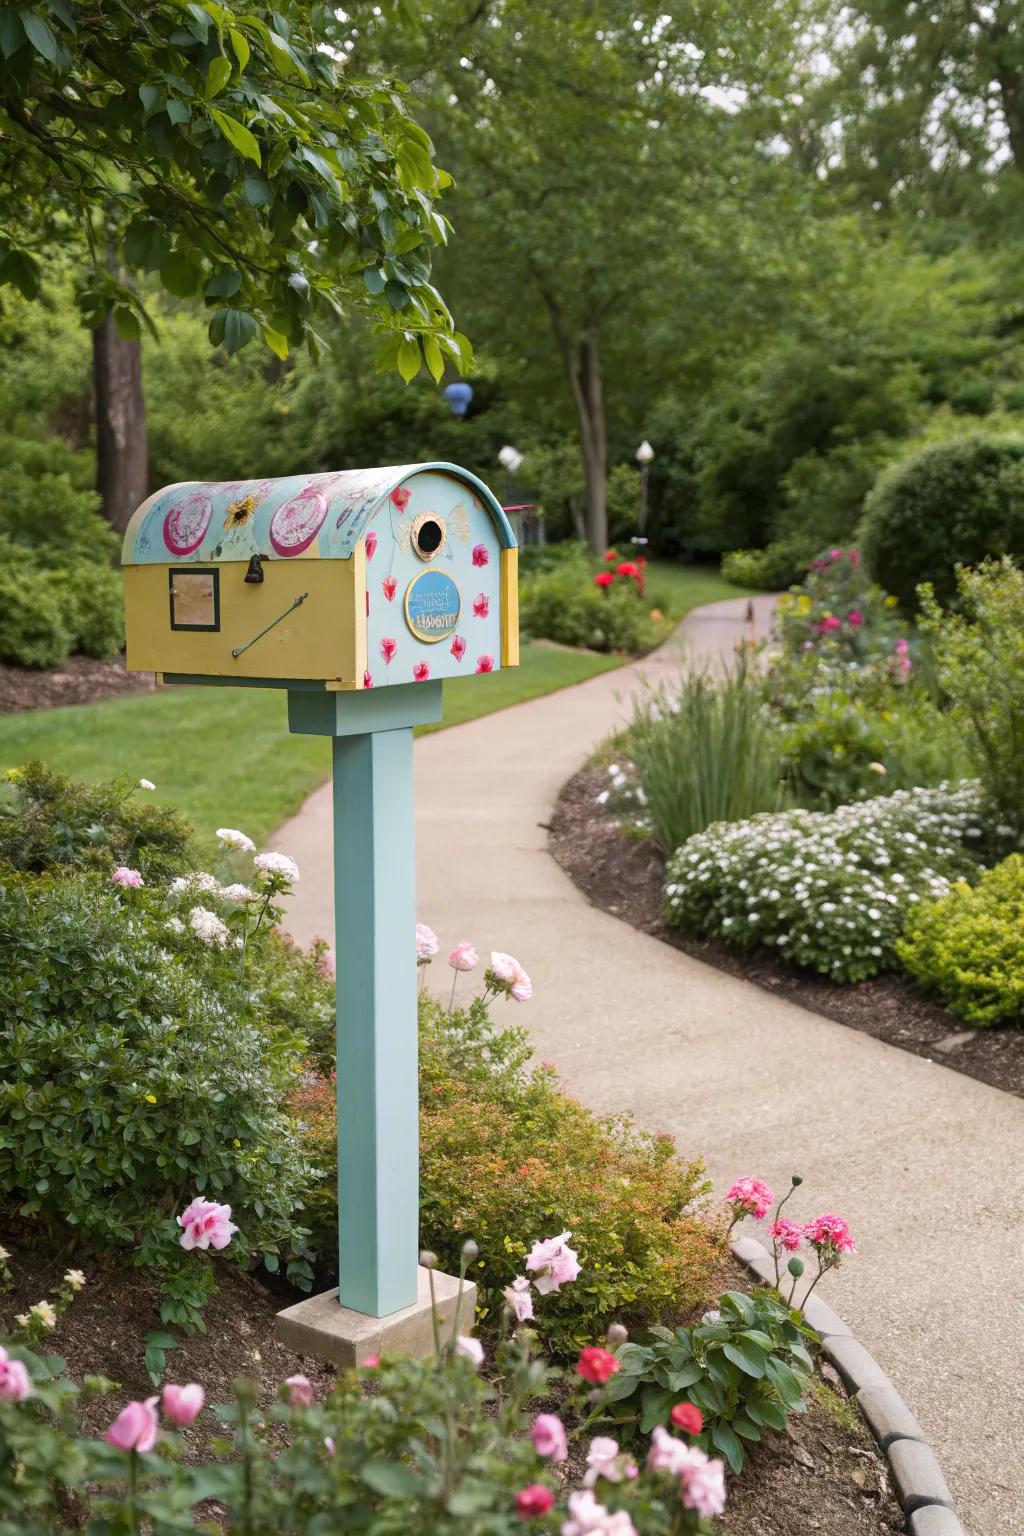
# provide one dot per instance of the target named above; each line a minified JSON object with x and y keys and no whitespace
{"x":970,"y":946}
{"x":34,"y":612}
{"x":951,"y":504}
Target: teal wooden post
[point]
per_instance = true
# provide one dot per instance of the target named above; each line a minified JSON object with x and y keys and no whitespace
{"x":374,"y":922}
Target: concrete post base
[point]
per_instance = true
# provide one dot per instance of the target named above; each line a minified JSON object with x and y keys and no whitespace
{"x":319,"y":1327}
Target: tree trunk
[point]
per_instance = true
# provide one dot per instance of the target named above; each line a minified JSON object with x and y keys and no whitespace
{"x":582,"y":362}
{"x":122,"y":448}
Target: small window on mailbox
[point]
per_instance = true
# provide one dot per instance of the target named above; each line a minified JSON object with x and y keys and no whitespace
{"x":195,"y":599}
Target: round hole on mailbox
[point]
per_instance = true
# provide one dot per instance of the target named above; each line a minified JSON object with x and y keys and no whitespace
{"x":428,"y":536}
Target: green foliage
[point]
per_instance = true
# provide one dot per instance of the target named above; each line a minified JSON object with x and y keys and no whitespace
{"x":833,"y":892}
{"x":34,"y":628}
{"x":979,"y":665}
{"x":745,"y":1366}
{"x":142,"y":1063}
{"x":432,"y":1450}
{"x":704,"y":751}
{"x":969,"y":946}
{"x":563,"y":604}
{"x":48,"y":823}
{"x":953,"y":503}
{"x":507,"y":1159}
{"x":781,"y":564}
{"x":234,"y":159}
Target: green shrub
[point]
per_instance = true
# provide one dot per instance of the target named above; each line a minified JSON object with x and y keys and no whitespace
{"x":745,"y":1366}
{"x":139,"y":1066}
{"x":34,"y":618}
{"x":849,"y":749}
{"x":507,"y":1159}
{"x":706,"y":751}
{"x":832,"y":891}
{"x":564,"y":605}
{"x":954,"y":503}
{"x":969,"y":946}
{"x":95,"y":608}
{"x":780,"y":564}
{"x":49,"y":823}
{"x":979,"y":665}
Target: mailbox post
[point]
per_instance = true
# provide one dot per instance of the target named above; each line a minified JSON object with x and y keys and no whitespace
{"x":358,"y":593}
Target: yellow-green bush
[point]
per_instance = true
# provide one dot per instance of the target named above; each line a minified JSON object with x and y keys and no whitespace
{"x":970,"y":946}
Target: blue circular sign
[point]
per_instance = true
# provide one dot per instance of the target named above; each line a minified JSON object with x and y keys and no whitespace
{"x":432,"y":606}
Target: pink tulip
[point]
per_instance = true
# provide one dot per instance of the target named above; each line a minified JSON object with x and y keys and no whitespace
{"x":388,"y":649}
{"x":549,"y":1438}
{"x":390,"y":586}
{"x":15,"y":1383}
{"x":480,"y":555}
{"x":371,"y":544}
{"x":485,"y":663}
{"x":481,"y":605}
{"x":300,"y":1392}
{"x":458,"y":647}
{"x":135,"y":1428}
{"x":205,"y":1224}
{"x":463,"y":957}
{"x":183,"y":1404}
{"x":127,"y":878}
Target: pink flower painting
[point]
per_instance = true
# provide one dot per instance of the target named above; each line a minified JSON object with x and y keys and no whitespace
{"x":389,"y":586}
{"x":481,"y":605}
{"x":420,"y":672}
{"x":388,"y":649}
{"x":371,"y":544}
{"x":400,"y":496}
{"x":458,"y":647}
{"x":485,"y":663}
{"x":480,"y":555}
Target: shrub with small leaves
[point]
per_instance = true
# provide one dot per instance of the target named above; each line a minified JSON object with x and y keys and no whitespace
{"x":969,"y":946}
{"x":832,"y":891}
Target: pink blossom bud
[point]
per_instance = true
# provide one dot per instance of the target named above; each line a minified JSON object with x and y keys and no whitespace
{"x":135,"y":1428}
{"x":183,"y":1404}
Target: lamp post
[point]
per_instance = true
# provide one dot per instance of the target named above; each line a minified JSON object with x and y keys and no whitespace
{"x":644,"y":455}
{"x":458,"y":396}
{"x":510,"y":459}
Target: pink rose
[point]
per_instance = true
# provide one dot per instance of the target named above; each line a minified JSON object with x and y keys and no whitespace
{"x":135,"y":1428}
{"x":458,"y":647}
{"x":388,"y":649}
{"x":507,"y":975}
{"x":390,"y":586}
{"x":480,"y":555}
{"x":205,"y":1224}
{"x":128,"y":878}
{"x":15,"y":1383}
{"x":549,"y":1438}
{"x":183,"y":1404}
{"x":751,"y":1197}
{"x":481,"y":605}
{"x":535,"y":1499}
{"x":485,"y":663}
{"x":371,"y":544}
{"x":300,"y":1391}
{"x":420,"y":672}
{"x":464,"y":957}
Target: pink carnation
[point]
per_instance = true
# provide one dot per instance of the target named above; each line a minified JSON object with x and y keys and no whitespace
{"x":830,"y":1233}
{"x":752,"y":1197}
{"x":789,"y":1233}
{"x":15,"y":1384}
{"x":128,"y":878}
{"x":549,"y":1438}
{"x":205,"y":1224}
{"x":135,"y":1428}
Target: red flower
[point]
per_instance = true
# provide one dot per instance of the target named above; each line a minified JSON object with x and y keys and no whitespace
{"x":367,"y":679}
{"x":400,"y":496}
{"x":535,"y":1499}
{"x":480,"y":555}
{"x":420,"y":672}
{"x":371,"y":544}
{"x":458,"y":647}
{"x":603,"y":579}
{"x":687,"y":1417}
{"x":485,"y":663}
{"x":627,"y":568}
{"x":390,"y":586}
{"x":596,"y":1364}
{"x":481,"y":606}
{"x":611,"y":554}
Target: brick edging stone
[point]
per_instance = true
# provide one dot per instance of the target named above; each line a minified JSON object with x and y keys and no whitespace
{"x":921,"y":1488}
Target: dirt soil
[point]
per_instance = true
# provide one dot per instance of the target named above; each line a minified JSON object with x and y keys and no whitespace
{"x":824,"y":1476}
{"x":79,"y":680}
{"x":623,"y":874}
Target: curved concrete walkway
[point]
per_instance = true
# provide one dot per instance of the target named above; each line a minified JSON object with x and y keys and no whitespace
{"x":923,"y":1162}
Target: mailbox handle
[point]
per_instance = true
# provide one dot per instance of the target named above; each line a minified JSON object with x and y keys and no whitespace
{"x":300,"y":599}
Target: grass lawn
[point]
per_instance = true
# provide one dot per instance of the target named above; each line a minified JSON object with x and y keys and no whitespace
{"x":224,"y":755}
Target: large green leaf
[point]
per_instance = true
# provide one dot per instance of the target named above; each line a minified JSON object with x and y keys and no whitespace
{"x":237,"y":135}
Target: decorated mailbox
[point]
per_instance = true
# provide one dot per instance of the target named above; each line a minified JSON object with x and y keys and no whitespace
{"x":362,"y":579}
{"x":358,"y":592}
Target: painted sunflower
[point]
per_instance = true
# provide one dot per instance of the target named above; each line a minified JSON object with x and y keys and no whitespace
{"x":240,"y":512}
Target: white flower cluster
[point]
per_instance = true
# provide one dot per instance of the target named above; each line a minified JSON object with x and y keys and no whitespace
{"x":831,"y":890}
{"x":625,"y":796}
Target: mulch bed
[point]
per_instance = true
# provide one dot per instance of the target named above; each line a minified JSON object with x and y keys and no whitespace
{"x":623,"y":874}
{"x":79,"y":680}
{"x":824,"y":1475}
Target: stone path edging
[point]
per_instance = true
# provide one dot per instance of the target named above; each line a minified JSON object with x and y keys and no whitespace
{"x":918,"y":1479}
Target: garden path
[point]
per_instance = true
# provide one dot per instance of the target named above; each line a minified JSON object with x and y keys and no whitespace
{"x":922,"y":1161}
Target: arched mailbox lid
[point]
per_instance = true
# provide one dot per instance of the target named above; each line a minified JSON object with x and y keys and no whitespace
{"x":320,"y":516}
